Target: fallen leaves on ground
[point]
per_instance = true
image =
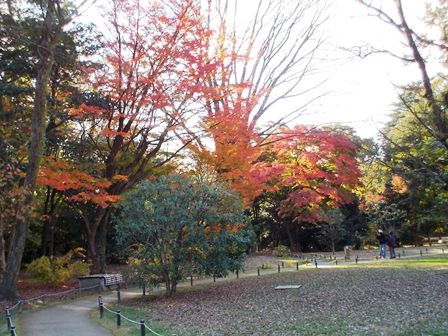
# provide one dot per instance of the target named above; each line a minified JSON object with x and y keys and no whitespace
{"x":358,"y":301}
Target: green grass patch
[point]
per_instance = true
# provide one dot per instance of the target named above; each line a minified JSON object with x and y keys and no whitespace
{"x":4,"y":327}
{"x":109,"y":321}
{"x":293,"y":262}
{"x":436,"y":261}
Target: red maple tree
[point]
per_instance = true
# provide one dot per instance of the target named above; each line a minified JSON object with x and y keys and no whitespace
{"x":151,"y":83}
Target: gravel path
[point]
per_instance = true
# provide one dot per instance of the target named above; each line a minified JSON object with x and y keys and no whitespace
{"x":70,"y":318}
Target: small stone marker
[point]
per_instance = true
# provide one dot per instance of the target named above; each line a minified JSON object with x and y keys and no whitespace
{"x":288,"y":287}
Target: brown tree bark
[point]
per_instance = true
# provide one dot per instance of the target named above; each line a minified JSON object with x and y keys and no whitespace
{"x":46,"y":57}
{"x":293,"y":246}
{"x":2,"y":247}
{"x":101,"y":241}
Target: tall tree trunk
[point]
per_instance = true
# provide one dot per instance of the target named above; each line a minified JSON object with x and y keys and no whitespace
{"x":49,"y":38}
{"x":2,"y":248}
{"x":101,"y":241}
{"x":44,"y":237}
{"x":47,"y":239}
{"x":173,"y":287}
{"x":293,"y":246}
{"x":92,"y":220}
{"x":333,"y":249}
{"x":51,"y":237}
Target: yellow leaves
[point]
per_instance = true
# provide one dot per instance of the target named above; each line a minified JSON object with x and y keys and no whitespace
{"x":399,"y":184}
{"x":119,"y":178}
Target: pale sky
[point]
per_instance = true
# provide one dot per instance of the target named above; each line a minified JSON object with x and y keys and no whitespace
{"x":363,"y":89}
{"x":360,"y":91}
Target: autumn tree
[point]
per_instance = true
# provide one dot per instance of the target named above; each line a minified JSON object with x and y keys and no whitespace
{"x":54,"y":17}
{"x":258,"y":65}
{"x":331,"y":229}
{"x":308,"y":171}
{"x":175,"y":227}
{"x":147,"y":88}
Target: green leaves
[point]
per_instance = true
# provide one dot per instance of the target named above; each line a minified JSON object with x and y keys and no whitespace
{"x":175,"y":226}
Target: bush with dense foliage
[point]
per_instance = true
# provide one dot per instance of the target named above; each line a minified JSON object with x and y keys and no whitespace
{"x":174,"y":227}
{"x":57,"y":270}
{"x":280,"y":251}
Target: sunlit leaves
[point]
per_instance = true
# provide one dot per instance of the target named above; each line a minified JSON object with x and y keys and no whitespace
{"x":318,"y":168}
{"x":81,"y":187}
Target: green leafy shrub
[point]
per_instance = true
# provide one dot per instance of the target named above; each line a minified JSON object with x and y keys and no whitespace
{"x":57,"y":270}
{"x":280,"y":251}
{"x":175,"y":226}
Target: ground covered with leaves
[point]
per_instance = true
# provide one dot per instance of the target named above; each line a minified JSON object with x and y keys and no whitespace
{"x":401,"y":297}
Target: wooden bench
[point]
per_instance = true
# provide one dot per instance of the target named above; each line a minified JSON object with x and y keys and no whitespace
{"x":100,"y":281}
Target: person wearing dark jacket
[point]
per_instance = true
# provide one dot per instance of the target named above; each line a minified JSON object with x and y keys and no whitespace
{"x":392,"y":242}
{"x":382,"y":240}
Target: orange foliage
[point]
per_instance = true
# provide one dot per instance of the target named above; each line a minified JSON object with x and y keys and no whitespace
{"x":62,"y":176}
{"x":318,"y":167}
{"x":399,"y":184}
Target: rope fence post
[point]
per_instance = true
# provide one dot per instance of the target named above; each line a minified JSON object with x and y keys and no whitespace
{"x":144,"y":288}
{"x":258,"y":271}
{"x":142,"y":328}
{"x":237,"y":274}
{"x":13,"y":331}
{"x":8,"y":318}
{"x":191,"y":280}
{"x":118,"y":318}
{"x":278,"y":267}
{"x":101,"y":310}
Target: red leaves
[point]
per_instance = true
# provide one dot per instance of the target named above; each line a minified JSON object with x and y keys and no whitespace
{"x":319,"y":167}
{"x":80,"y":186}
{"x":111,"y":133}
{"x":86,"y":110}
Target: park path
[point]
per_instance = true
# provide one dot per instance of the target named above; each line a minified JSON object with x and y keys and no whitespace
{"x":69,"y":318}
{"x":73,"y":317}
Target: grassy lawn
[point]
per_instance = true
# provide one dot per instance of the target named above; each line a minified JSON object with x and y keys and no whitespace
{"x":392,"y":297}
{"x":127,"y":328}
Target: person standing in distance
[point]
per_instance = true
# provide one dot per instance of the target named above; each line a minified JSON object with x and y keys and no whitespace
{"x":382,"y":240}
{"x":392,"y":242}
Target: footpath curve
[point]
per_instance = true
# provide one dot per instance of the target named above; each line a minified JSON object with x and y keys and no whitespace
{"x":67,"y":319}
